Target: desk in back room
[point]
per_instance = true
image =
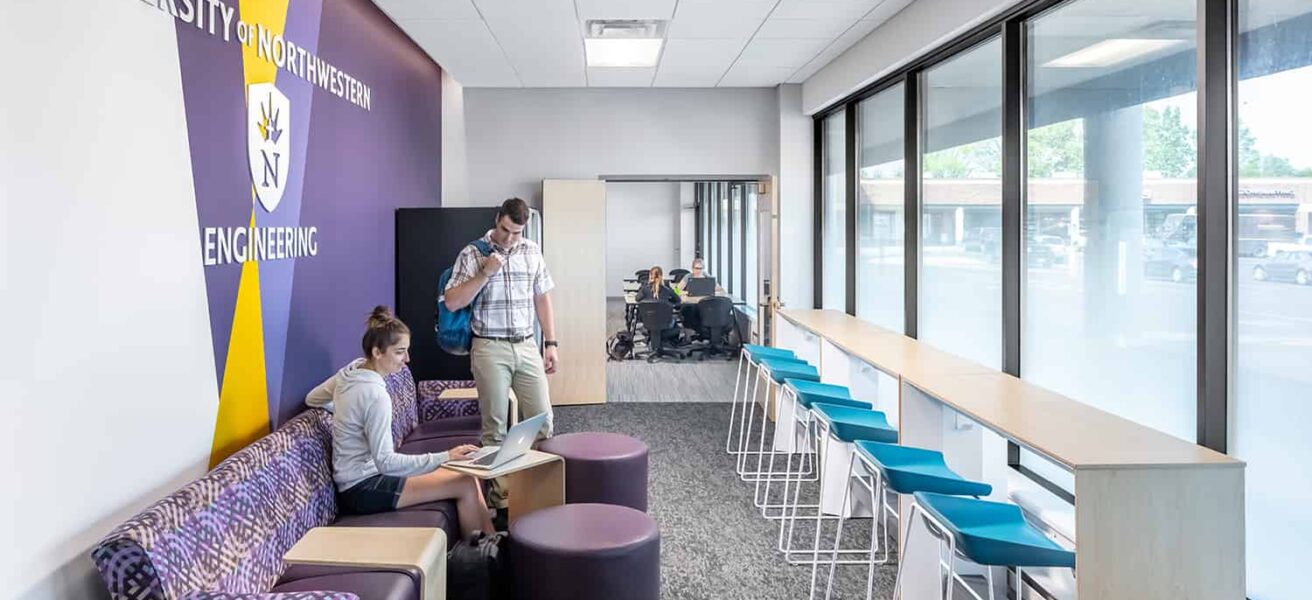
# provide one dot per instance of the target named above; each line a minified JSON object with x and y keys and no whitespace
{"x":1155,"y":516}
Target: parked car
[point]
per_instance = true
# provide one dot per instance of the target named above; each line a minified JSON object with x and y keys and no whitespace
{"x":1042,"y":255}
{"x":1286,"y":265}
{"x":1174,"y":263}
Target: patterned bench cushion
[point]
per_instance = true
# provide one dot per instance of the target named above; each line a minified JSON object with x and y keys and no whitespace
{"x":430,"y":408}
{"x":228,"y":530}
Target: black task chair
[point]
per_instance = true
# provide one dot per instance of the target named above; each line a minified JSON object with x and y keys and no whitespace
{"x":678,"y":274}
{"x":657,"y":317}
{"x":716,"y":316}
{"x":642,"y":276}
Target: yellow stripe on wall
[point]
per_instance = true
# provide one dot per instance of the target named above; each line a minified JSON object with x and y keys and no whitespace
{"x":244,"y":396}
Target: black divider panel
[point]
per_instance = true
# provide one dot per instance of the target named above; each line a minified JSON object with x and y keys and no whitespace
{"x":427,"y":242}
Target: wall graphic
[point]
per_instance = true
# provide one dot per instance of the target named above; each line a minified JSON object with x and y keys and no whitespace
{"x":298,"y":166}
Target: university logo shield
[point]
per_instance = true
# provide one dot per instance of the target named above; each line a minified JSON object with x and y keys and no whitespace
{"x":268,"y":118}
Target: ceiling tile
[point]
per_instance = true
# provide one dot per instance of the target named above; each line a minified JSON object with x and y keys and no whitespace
{"x":626,"y":9}
{"x":714,"y":54}
{"x":755,"y":76}
{"x":735,"y":19}
{"x":781,"y":53}
{"x":687,"y":78}
{"x":826,"y":29}
{"x":428,"y":9}
{"x":547,"y":78}
{"x":529,"y":9}
{"x":466,"y":50}
{"x":613,"y":77}
{"x":841,"y":10}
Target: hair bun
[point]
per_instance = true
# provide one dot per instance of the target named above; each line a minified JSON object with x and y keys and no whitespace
{"x":380,"y":315}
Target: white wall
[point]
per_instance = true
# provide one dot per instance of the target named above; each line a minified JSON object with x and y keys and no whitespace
{"x":642,"y":230}
{"x":796,"y":200}
{"x":918,"y":28}
{"x":109,"y":387}
{"x":518,"y":137}
{"x":455,"y":168}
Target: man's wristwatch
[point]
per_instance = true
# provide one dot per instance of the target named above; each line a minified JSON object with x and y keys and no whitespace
{"x":550,"y":344}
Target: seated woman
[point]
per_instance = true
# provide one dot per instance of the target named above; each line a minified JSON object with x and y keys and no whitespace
{"x":656,"y":289}
{"x":694,"y":271}
{"x":691,"y":319}
{"x":370,"y":475}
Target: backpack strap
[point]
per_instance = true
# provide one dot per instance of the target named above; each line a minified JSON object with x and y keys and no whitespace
{"x":482,"y":246}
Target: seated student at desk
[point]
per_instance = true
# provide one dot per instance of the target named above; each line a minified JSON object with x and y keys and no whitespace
{"x":371,"y":476}
{"x":696,"y":271}
{"x":691,"y":319}
{"x":656,"y":289}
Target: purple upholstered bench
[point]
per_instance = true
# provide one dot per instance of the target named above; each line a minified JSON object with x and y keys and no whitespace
{"x":576,"y":551}
{"x":606,"y":468}
{"x":224,"y":535}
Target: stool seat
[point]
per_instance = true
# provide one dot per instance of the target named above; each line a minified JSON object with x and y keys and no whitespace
{"x":810,"y":392}
{"x":756,"y":352}
{"x":781,"y":370}
{"x":586,"y":551}
{"x":908,"y":470}
{"x":602,"y":467}
{"x":994,"y":533}
{"x":851,"y":424}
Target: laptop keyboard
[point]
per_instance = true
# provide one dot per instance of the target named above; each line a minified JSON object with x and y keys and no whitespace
{"x":486,"y":460}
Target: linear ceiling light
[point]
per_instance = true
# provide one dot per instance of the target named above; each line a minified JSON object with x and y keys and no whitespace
{"x":624,"y":43}
{"x":1110,"y":52}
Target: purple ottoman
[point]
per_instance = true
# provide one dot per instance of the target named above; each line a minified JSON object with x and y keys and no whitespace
{"x":586,"y":551}
{"x":606,"y":468}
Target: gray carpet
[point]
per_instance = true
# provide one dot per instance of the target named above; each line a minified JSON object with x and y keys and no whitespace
{"x":714,"y":542}
{"x":710,"y":380}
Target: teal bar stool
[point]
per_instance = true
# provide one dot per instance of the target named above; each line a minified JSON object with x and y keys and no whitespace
{"x":748,"y":359}
{"x":836,"y":427}
{"x":904,"y":470}
{"x":986,"y":533}
{"x":773,"y":372}
{"x":763,"y":367}
{"x":793,"y":394}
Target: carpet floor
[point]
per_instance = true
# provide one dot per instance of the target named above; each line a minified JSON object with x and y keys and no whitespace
{"x":714,"y":543}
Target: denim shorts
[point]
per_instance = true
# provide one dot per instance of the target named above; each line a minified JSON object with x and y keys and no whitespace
{"x":379,"y":493}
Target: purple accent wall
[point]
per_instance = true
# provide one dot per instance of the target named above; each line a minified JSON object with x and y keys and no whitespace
{"x":361,"y":166}
{"x":350,"y":170}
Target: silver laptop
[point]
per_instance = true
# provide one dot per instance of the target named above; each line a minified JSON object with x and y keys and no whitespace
{"x":517,"y":442}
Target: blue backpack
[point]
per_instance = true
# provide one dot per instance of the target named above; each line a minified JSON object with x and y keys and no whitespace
{"x":452,"y":326}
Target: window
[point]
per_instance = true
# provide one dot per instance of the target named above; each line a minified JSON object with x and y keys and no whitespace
{"x":1273,"y":269}
{"x":735,"y":283}
{"x":881,"y":202}
{"x":1109,"y":232}
{"x":726,"y":250}
{"x":960,"y":292}
{"x":833,"y":220}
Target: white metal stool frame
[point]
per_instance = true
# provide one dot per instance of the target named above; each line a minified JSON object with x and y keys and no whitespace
{"x":765,"y":472}
{"x":762,"y":372}
{"x":741,"y":375}
{"x":805,"y":470}
{"x":878,"y":489}
{"x":820,"y":431}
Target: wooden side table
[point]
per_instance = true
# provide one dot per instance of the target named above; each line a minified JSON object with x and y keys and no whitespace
{"x":419,"y":548}
{"x":535,"y":480}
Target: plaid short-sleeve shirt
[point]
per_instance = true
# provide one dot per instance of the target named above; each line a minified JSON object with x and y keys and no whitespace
{"x":505,"y":306}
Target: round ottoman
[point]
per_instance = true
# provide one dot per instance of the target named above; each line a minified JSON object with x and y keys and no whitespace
{"x":606,"y":468}
{"x":581,"y":551}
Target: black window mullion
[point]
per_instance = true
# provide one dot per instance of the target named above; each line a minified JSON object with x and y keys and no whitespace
{"x":818,"y":213}
{"x":851,"y":181}
{"x":1013,"y":190}
{"x":1217,"y":24}
{"x":911,"y":218}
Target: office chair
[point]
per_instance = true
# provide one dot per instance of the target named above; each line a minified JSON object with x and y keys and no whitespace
{"x":657,"y":317}
{"x":642,"y":275}
{"x":716,"y":316}
{"x":678,"y":274}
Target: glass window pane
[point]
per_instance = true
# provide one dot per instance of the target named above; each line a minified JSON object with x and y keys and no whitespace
{"x":726,"y":251}
{"x":961,"y":206}
{"x":712,"y":231}
{"x":1273,"y":320}
{"x":1109,"y":241}
{"x":881,"y":201}
{"x":833,"y":262}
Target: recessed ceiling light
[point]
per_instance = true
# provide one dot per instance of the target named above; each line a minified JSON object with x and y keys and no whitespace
{"x":624,"y":43}
{"x":1110,"y":52}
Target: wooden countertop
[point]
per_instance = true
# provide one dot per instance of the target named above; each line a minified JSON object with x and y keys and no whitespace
{"x":1075,"y":434}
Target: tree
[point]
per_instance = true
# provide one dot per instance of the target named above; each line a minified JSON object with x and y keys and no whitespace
{"x":1056,"y":148}
{"x":1169,"y":146}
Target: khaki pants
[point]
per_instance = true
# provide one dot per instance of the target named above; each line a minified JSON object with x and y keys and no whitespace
{"x":499,"y":366}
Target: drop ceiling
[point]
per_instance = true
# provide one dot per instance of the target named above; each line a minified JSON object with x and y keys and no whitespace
{"x":709,"y":43}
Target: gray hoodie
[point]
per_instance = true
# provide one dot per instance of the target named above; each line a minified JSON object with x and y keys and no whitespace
{"x":362,"y":428}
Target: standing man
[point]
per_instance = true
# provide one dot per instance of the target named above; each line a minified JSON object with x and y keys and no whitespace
{"x":509,"y":289}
